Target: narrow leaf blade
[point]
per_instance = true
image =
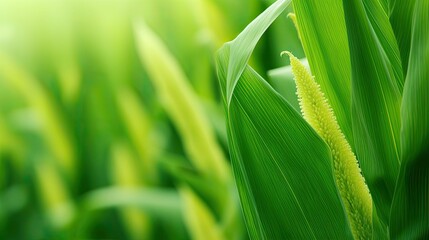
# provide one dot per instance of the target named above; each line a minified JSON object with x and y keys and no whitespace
{"x":410,"y":218}
{"x":375,"y":105}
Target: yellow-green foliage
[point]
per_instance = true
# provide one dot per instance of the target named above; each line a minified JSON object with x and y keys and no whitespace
{"x":199,"y":219}
{"x":181,"y":103}
{"x":53,"y":128}
{"x":140,"y":130}
{"x":318,"y":113}
{"x":54,"y":194}
{"x":292,"y":16}
{"x":125,"y":171}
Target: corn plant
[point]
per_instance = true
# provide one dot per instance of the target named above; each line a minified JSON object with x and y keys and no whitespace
{"x":347,"y":156}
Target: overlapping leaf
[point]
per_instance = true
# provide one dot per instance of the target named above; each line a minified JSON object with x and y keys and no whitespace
{"x":410,"y":218}
{"x":375,"y":100}
{"x":401,"y":19}
{"x":282,"y":167}
{"x":324,"y":37}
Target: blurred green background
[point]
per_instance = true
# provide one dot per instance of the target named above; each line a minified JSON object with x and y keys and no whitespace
{"x":111,"y":122}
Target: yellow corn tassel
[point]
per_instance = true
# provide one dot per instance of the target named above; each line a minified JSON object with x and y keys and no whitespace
{"x":350,"y":182}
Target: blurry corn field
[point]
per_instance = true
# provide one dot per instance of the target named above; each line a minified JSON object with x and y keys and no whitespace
{"x":111,"y":119}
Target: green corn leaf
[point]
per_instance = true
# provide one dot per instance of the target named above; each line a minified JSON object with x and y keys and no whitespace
{"x":251,"y":34}
{"x":386,"y":6}
{"x":386,"y":41}
{"x":211,"y":192}
{"x":379,"y":228}
{"x":273,"y":150}
{"x":350,"y":183}
{"x":409,"y":214}
{"x":156,"y":202}
{"x":227,"y":210}
{"x":182,"y":104}
{"x":53,"y":128}
{"x":401,"y":18}
{"x":323,"y":34}
{"x":54,"y":194}
{"x":286,"y":192}
{"x":125,"y":173}
{"x":140,"y":131}
{"x":199,"y":220}
{"x":375,"y":104}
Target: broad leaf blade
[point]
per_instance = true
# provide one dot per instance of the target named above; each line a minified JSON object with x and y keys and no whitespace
{"x":375,"y":105}
{"x":386,"y":40}
{"x":410,"y":209}
{"x":324,"y":37}
{"x":282,"y":167}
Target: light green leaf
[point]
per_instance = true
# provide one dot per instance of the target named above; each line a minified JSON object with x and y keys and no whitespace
{"x":409,"y":214}
{"x":163,"y":204}
{"x":324,"y":37}
{"x":182,"y":105}
{"x":249,"y":37}
{"x":200,"y":221}
{"x":53,"y":128}
{"x":375,"y":104}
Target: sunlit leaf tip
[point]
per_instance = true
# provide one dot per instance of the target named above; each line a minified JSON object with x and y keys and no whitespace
{"x":319,"y":114}
{"x":292,"y":16}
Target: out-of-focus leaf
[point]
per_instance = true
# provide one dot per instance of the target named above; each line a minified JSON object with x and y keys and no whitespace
{"x":283,"y":83}
{"x":55,"y":195}
{"x":225,"y":209}
{"x":125,"y":173}
{"x":54,"y":131}
{"x":401,"y":17}
{"x":410,"y":209}
{"x":181,"y":104}
{"x":163,"y":204}
{"x":140,"y":130}
{"x":199,"y":220}
{"x":375,"y":105}
{"x":185,"y":174}
{"x":12,"y":200}
{"x":285,"y":192}
{"x":324,"y":37}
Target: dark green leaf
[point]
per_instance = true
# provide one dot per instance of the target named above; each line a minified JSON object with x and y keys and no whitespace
{"x":375,"y":103}
{"x":401,"y":17}
{"x":410,"y":209}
